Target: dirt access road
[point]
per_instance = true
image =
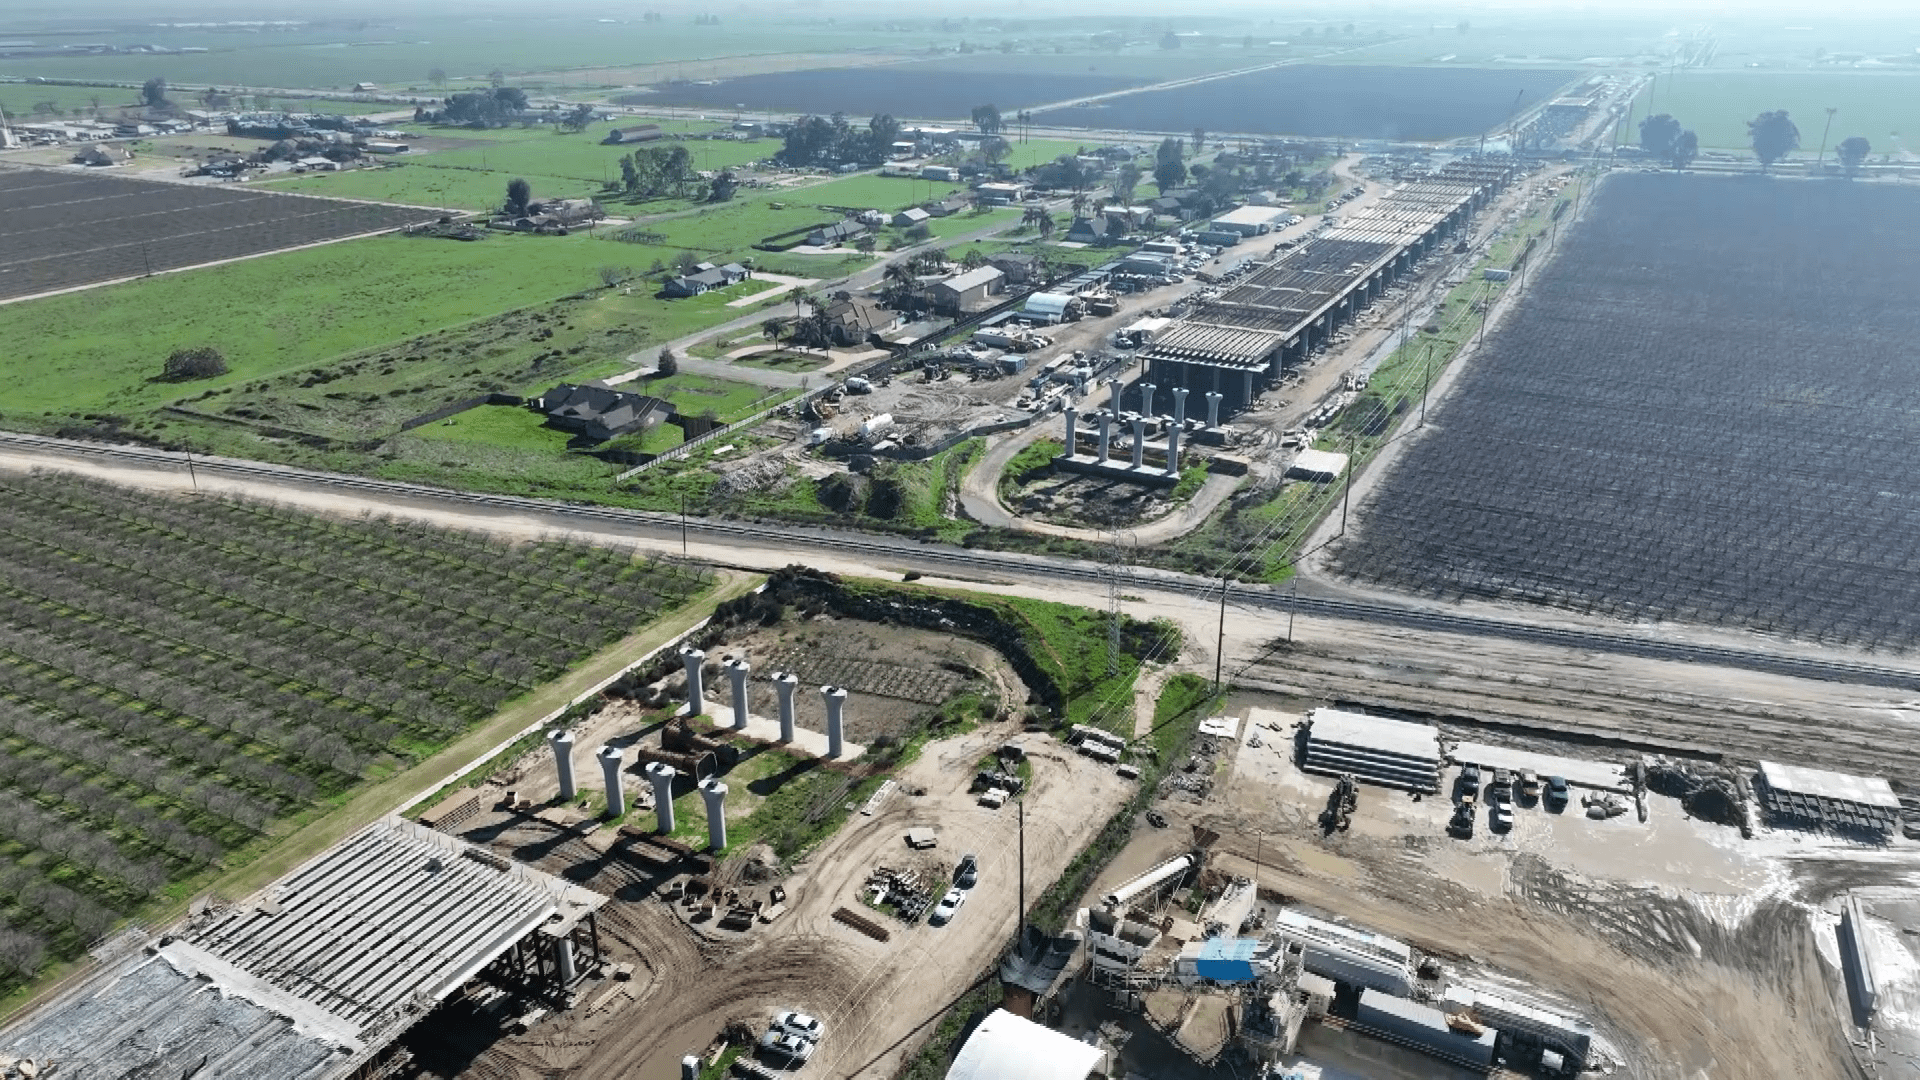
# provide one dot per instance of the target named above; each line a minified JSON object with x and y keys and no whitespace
{"x":877,"y":999}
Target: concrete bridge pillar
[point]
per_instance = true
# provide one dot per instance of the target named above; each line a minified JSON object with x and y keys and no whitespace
{"x":562,"y":744}
{"x":696,"y":693}
{"x":1139,"y":440}
{"x":1146,"y":399}
{"x":1106,"y":433}
{"x":661,"y":775}
{"x":836,"y":698}
{"x":715,"y":795}
{"x":610,"y":769}
{"x":1073,"y":423}
{"x":784,"y":683}
{"x":737,"y":672}
{"x":1213,"y":409}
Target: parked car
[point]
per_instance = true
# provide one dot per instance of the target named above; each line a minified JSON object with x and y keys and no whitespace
{"x":1557,"y":792}
{"x":967,"y":874}
{"x":1502,"y":783}
{"x":948,"y":906}
{"x":798,"y":1023}
{"x":1469,"y":783}
{"x":789,"y":1051}
{"x":1529,"y":784}
{"x":1499,"y":810}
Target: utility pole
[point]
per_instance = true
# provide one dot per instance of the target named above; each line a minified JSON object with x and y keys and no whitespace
{"x":1293,"y":604}
{"x":1426,"y":384}
{"x":1346,"y":499}
{"x":1824,"y":132}
{"x":683,"y":526}
{"x":1220,"y":639}
{"x":1020,"y":943}
{"x":191,"y":475}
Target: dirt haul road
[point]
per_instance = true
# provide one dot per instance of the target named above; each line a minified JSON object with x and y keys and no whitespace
{"x":877,"y":999}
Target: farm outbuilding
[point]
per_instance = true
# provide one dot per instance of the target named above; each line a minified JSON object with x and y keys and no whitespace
{"x":910,"y":217}
{"x":1050,"y":308}
{"x":965,"y":291}
{"x":642,"y":133}
{"x":1250,"y":220}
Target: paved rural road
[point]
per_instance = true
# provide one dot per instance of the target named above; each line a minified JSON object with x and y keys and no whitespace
{"x":769,"y":546}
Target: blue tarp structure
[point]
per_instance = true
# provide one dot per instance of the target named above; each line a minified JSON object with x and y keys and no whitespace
{"x":1226,"y":959}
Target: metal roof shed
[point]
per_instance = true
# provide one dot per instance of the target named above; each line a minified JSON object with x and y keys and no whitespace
{"x":1009,"y":1047}
{"x":1051,"y":307}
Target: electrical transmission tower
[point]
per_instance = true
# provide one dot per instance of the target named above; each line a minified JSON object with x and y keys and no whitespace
{"x":1119,"y":573}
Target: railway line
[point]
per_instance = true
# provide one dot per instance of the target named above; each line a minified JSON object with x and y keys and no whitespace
{"x":894,"y":554}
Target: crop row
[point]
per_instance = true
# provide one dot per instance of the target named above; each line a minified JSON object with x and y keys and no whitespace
{"x":177,"y":674}
{"x":1688,"y":419}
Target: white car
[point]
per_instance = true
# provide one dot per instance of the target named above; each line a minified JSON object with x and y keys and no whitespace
{"x":791,"y":1051}
{"x":948,"y":906}
{"x":800,"y":1024}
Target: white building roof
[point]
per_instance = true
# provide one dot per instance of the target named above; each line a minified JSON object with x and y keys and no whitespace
{"x":1374,"y":732}
{"x":1871,"y":790}
{"x":973,"y":279}
{"x":1008,"y":1047}
{"x":1318,"y":463}
{"x":1048,"y":303}
{"x":1250,"y":215}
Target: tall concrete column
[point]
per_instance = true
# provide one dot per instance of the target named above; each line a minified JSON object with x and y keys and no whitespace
{"x":563,"y":952}
{"x":696,"y":693}
{"x":1113,"y":394}
{"x":1213,"y":409}
{"x":784,"y":684}
{"x":610,"y":768}
{"x":836,"y":699}
{"x":562,"y":744}
{"x":715,"y":794}
{"x":737,"y":671}
{"x":1073,"y":422}
{"x":1179,"y":405}
{"x":662,"y":776}
{"x":1106,"y":433}
{"x":1139,"y":440}
{"x":1248,"y":376}
{"x":1146,"y":399}
{"x":1173,"y":450}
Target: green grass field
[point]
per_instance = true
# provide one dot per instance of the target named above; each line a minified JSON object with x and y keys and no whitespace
{"x":1883,"y":107}
{"x":473,"y":173}
{"x":510,"y":426}
{"x":22,"y":101}
{"x":96,"y":351}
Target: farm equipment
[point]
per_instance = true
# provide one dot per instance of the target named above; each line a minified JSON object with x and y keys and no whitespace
{"x":1340,"y":805}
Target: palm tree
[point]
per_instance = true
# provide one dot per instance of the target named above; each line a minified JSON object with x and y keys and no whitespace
{"x":773,"y":328}
{"x":1046,"y":224}
{"x":1079,"y":203}
{"x":798,"y":295}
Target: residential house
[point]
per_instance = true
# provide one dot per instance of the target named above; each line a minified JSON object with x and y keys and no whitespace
{"x":565,"y":211}
{"x":707,"y":276}
{"x":1168,"y":206}
{"x":840,"y":232}
{"x":1000,"y":194}
{"x":1018,"y":269}
{"x":1093,"y":230}
{"x":365,"y":88}
{"x":942,"y":173}
{"x":947,"y":207}
{"x":599,"y":412}
{"x":911,"y":216}
{"x":966,"y":291}
{"x":102,"y":156}
{"x":854,"y":320}
{"x":642,"y":133}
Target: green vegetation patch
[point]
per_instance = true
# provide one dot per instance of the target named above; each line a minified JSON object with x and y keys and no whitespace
{"x":1883,"y":107}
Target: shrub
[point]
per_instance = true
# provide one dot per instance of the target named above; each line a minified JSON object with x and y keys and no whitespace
{"x":201,"y":363}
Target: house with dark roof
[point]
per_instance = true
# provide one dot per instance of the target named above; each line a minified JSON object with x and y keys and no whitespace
{"x":1092,"y":230}
{"x":1019,"y":269}
{"x":854,"y":320}
{"x":706,"y":276}
{"x":947,"y":207}
{"x":840,"y":232}
{"x":910,"y":217}
{"x":600,"y":412}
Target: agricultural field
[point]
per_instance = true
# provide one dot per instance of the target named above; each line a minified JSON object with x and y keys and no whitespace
{"x":178,"y":678}
{"x":1356,"y":101}
{"x":469,"y":170}
{"x":68,"y":228}
{"x":1883,"y":107}
{"x":907,"y":90}
{"x":1691,"y":418}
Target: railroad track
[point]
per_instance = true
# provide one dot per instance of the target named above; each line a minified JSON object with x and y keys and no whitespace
{"x":1037,"y":568}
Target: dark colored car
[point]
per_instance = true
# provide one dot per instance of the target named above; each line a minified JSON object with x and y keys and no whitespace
{"x":1557,"y":792}
{"x":967,"y":874}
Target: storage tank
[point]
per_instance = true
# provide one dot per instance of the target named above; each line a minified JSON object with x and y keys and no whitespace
{"x":875,"y":424}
